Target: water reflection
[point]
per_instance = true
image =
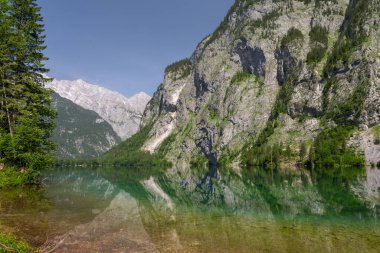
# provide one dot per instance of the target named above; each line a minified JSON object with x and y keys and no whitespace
{"x":22,"y":212}
{"x":122,"y":210}
{"x":118,"y":228}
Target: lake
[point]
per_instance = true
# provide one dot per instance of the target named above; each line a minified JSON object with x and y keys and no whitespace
{"x":114,"y":210}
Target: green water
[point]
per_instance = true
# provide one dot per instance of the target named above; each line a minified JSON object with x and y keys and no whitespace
{"x":115,"y":210}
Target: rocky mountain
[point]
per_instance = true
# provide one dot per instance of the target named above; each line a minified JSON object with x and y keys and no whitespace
{"x":80,"y":133}
{"x":283,"y":70}
{"x":281,"y":86}
{"x":123,"y":114}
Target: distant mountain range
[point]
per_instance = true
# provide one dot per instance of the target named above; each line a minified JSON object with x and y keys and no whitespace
{"x":81,"y":133}
{"x":123,"y":114}
{"x":92,"y":119}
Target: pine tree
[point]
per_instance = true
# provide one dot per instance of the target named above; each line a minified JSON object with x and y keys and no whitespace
{"x":4,"y":63}
{"x":27,"y":119}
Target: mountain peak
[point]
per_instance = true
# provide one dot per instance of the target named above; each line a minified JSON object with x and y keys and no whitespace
{"x":122,"y":113}
{"x":141,"y":96}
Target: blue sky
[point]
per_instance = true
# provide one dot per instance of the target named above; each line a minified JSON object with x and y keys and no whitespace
{"x":125,"y":45}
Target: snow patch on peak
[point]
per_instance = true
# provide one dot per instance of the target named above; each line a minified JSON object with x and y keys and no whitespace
{"x":122,"y":113}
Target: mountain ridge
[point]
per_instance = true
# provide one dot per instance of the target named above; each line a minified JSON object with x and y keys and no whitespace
{"x":80,"y":133}
{"x":122,"y":113}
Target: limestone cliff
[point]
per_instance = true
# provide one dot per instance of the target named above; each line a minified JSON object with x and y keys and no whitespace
{"x":296,"y":62}
{"x":285,"y":85}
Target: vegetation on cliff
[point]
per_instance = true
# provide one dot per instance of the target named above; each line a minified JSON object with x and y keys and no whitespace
{"x":314,"y":83}
{"x":319,"y":44}
{"x":130,"y":154}
{"x":183,"y":67}
{"x":330,"y":150}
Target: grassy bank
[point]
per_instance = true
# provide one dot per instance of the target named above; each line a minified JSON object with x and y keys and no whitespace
{"x":13,"y":177}
{"x":10,"y":244}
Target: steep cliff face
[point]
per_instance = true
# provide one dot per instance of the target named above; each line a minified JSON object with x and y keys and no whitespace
{"x":280,"y":85}
{"x":301,"y":66}
{"x":123,"y":114}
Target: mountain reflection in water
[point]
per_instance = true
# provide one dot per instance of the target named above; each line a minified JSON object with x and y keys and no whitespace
{"x":119,"y":210}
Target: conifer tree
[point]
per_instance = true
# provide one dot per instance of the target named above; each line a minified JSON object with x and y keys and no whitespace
{"x":5,"y":64}
{"x":27,"y":120}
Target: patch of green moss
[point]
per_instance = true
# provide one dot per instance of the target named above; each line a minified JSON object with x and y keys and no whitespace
{"x":10,"y":244}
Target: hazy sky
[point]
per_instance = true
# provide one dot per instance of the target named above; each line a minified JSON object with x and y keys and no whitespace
{"x":125,"y":45}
